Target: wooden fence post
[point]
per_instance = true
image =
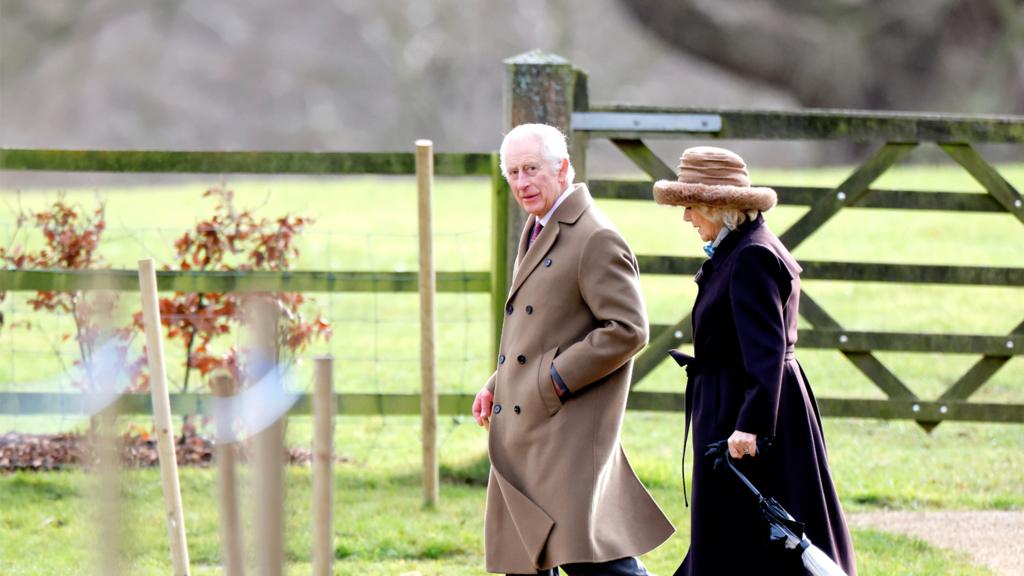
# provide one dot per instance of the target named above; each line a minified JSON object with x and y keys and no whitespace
{"x":269,"y":457}
{"x":224,"y":387}
{"x":109,"y":532}
{"x":501,"y":205}
{"x":539,"y":87}
{"x":324,"y":405}
{"x":428,"y":393}
{"x":162,"y":417}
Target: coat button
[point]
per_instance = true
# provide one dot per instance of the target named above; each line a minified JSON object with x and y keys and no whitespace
{"x":508,"y":309}
{"x":521,"y":359}
{"x":496,"y":409}
{"x":529,"y":309}
{"x":516,"y":409}
{"x":547,"y":262}
{"x":501,"y":359}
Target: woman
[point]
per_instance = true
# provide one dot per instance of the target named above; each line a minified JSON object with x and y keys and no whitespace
{"x":744,"y":383}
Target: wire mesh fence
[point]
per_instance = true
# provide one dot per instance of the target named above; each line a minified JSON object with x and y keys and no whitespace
{"x":374,"y":333}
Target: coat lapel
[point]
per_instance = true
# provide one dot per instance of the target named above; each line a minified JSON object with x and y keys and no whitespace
{"x":567,"y":213}
{"x":523,"y":238}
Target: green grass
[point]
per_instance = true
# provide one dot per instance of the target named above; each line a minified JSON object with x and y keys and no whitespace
{"x":907,"y":556}
{"x":381,"y":527}
{"x":369,"y":224}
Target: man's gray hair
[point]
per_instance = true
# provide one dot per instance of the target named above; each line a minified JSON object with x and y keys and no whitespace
{"x":553,"y":148}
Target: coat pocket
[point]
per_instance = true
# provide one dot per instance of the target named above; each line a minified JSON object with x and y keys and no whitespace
{"x":545,"y":386}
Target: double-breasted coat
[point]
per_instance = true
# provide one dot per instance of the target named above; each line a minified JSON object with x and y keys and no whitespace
{"x":560,"y":488}
{"x":747,"y":378}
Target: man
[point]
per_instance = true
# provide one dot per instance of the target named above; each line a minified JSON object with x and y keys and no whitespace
{"x":561,"y":492}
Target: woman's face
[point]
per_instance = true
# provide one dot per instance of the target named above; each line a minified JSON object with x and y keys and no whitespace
{"x":707,"y":229}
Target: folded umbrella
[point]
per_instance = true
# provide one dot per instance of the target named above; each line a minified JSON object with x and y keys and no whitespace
{"x":782,"y":527}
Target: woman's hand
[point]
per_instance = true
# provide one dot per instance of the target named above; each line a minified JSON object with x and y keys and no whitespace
{"x":742,"y":444}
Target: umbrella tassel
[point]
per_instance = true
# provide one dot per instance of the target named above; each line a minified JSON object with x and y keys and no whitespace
{"x":817,"y":562}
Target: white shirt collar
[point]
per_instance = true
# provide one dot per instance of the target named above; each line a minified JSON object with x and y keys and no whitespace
{"x":565,"y":194}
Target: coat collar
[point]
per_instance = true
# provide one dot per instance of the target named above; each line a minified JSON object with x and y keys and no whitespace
{"x":567,"y":213}
{"x":727,"y":246}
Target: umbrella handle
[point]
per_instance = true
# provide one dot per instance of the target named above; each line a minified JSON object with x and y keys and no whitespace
{"x":720,"y":450}
{"x":743,"y":478}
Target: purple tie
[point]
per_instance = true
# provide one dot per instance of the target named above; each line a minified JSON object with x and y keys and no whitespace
{"x":537,"y":227}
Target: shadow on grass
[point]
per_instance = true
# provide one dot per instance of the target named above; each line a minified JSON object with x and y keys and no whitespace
{"x":896,"y":502}
{"x":34,"y":486}
{"x":387,"y":550}
{"x":475,"y":471}
{"x":433,"y":550}
{"x":472,"y":472}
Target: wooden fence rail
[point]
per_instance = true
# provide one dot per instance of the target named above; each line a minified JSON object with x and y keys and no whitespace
{"x":399,"y":404}
{"x":290,"y":281}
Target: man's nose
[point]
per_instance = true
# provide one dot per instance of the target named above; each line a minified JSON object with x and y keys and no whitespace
{"x":521,"y":181}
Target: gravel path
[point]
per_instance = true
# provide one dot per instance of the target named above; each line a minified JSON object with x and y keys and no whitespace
{"x":990,"y":538}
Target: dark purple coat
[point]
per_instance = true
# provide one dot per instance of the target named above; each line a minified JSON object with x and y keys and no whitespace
{"x":747,"y":378}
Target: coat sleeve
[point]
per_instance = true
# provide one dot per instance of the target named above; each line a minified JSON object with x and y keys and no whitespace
{"x":757,"y":310}
{"x":610,"y":286}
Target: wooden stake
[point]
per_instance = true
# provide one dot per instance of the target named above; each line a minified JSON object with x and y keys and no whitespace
{"x":162,"y":418}
{"x":323,"y":467}
{"x":428,"y":394}
{"x":269,"y":443}
{"x":224,"y":386}
{"x":108,"y":493}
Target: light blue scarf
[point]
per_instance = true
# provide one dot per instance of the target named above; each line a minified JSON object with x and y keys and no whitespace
{"x":709,"y":248}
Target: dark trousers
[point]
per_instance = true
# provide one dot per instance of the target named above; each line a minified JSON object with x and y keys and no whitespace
{"x":620,"y":567}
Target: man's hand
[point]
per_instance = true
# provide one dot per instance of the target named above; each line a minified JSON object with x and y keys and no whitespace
{"x":482,"y":406}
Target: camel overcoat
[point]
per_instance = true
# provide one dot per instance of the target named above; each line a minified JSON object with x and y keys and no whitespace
{"x":560,"y":488}
{"x":745,"y":376}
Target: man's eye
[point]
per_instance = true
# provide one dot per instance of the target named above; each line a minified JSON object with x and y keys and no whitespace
{"x":531,"y":170}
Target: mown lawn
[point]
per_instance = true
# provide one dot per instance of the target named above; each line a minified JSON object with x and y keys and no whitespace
{"x":380,"y":526}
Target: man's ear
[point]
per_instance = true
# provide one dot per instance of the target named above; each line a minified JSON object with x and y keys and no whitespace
{"x":563,"y":172}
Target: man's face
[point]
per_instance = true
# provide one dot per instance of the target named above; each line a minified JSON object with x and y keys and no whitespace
{"x":535,"y":182}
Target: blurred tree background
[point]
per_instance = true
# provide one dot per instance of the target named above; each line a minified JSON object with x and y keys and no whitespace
{"x":955,"y":55}
{"x":369,"y":75}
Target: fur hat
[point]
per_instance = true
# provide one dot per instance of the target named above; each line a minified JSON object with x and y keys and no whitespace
{"x":714,"y":177}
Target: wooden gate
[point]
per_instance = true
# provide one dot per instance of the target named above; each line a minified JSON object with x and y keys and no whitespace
{"x":546,"y":88}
